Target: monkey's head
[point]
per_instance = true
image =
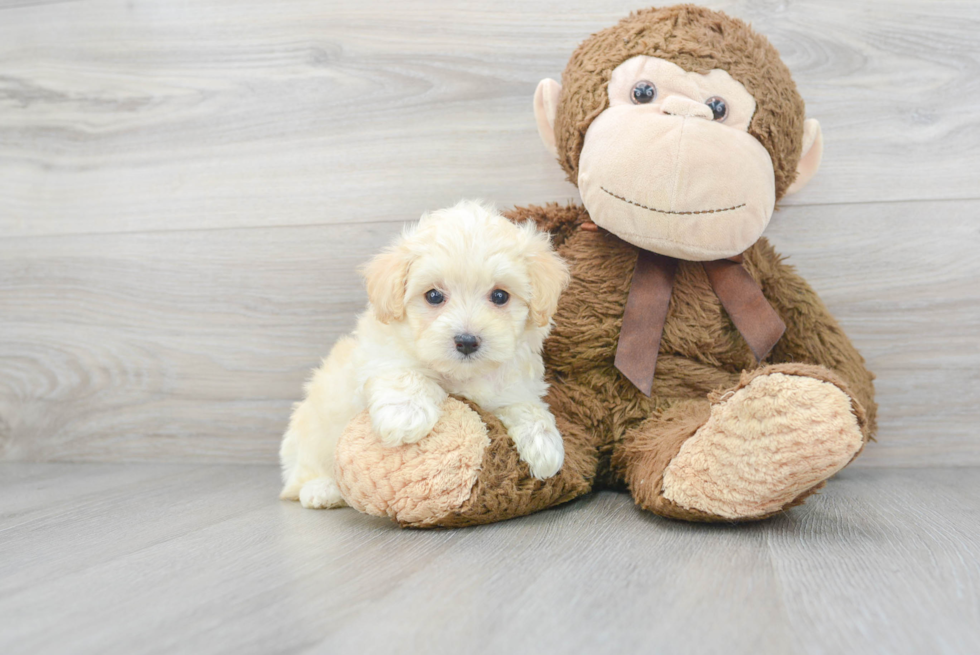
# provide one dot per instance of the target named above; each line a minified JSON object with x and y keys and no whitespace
{"x":681,"y":128}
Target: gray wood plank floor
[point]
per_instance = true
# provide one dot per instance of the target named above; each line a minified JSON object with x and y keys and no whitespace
{"x":100,"y":558}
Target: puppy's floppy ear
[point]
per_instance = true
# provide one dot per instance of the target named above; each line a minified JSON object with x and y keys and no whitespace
{"x":549,"y":277}
{"x":387,"y":276}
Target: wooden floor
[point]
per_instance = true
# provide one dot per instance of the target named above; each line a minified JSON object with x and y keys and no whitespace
{"x":140,"y":558}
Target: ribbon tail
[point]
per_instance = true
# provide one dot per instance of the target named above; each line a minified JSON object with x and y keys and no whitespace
{"x":742,"y":298}
{"x":644,"y":317}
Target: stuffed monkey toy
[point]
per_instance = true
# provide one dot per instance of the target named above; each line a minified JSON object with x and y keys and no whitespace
{"x":688,"y":365}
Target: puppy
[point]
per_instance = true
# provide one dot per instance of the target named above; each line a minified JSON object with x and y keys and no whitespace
{"x":460,"y":304}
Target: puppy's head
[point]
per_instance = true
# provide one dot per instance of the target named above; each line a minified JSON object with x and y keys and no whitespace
{"x":470,"y":286}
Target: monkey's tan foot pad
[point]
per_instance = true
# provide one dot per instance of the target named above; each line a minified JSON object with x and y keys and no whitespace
{"x":768,"y":443}
{"x":465,"y":472}
{"x":412,"y":483}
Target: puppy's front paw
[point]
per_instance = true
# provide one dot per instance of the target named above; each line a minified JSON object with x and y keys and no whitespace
{"x":540,"y":445}
{"x":320,"y":493}
{"x":404,"y":422}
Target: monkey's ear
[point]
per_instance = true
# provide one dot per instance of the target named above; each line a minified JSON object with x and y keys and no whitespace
{"x":812,"y":153}
{"x":545,"y":107}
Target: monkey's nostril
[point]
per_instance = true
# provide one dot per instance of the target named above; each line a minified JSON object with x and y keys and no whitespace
{"x":467,"y":343}
{"x":682,"y":106}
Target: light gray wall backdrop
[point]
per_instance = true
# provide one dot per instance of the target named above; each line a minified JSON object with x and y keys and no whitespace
{"x":186,"y":189}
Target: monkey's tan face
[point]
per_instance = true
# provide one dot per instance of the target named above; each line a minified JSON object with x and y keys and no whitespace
{"x":670,"y":166}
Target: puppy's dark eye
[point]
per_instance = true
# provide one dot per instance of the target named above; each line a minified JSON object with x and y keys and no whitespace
{"x":718,"y":107}
{"x":434,"y":297}
{"x":643,"y":92}
{"x":499,"y":297}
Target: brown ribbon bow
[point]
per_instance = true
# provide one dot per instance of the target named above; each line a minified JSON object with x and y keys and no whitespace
{"x":649,"y":297}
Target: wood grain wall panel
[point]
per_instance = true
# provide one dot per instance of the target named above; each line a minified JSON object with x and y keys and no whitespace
{"x":171,"y":116}
{"x":904,"y":281}
{"x":169,"y":344}
{"x":191,"y":345}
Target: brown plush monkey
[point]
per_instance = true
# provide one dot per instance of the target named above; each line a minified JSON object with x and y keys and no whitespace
{"x":688,"y":364}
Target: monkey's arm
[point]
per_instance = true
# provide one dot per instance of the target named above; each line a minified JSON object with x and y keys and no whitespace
{"x":560,"y":220}
{"x":813,"y":335}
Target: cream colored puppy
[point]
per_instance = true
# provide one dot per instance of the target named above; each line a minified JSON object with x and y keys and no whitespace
{"x":460,"y":304}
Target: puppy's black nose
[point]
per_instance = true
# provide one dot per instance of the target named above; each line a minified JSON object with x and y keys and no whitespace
{"x":467,"y":343}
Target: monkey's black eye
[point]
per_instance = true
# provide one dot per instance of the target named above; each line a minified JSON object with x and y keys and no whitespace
{"x":643,"y":92}
{"x":434,"y":297}
{"x":718,"y":107}
{"x":499,"y":297}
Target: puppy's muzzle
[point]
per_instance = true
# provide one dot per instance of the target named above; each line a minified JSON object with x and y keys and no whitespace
{"x":467,"y":343}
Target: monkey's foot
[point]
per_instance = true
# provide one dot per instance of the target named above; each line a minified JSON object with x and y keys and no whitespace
{"x":768,"y":443}
{"x":465,"y":472}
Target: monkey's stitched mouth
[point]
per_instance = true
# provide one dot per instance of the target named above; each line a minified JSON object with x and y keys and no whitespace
{"x":664,"y":211}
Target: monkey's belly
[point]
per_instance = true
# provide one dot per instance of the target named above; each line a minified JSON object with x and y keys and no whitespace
{"x":700,"y":349}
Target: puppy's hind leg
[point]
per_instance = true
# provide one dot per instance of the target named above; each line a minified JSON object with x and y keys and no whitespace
{"x":307,"y":462}
{"x":308,"y":447}
{"x":321,"y":493}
